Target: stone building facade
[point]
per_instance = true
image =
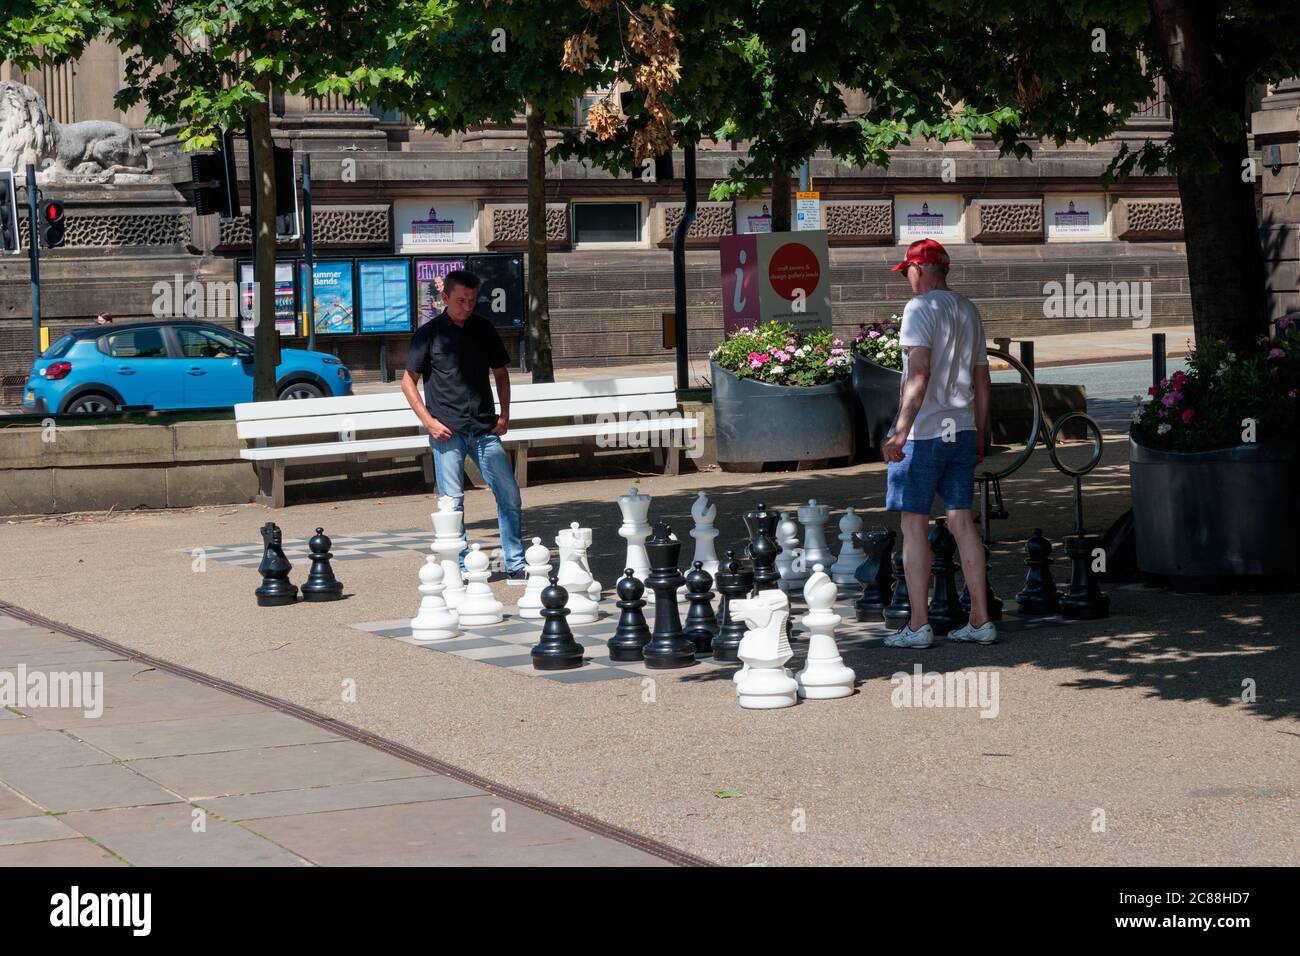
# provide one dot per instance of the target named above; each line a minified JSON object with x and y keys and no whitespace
{"x":380,"y":186}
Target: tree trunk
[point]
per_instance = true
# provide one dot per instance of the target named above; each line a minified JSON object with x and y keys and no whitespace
{"x":781,"y":200}
{"x":266,"y":355}
{"x":1225,"y":262}
{"x":539,"y":309}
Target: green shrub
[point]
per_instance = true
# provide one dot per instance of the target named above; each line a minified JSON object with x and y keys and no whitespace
{"x":778,"y":355}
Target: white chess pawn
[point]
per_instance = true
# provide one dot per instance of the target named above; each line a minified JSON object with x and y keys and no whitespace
{"x":634,"y":530}
{"x":789,"y":563}
{"x":766,"y":682}
{"x":575,"y":573}
{"x":538,"y":565}
{"x":434,"y":621}
{"x":851,"y":556}
{"x":478,"y":607}
{"x":824,"y":675}
{"x":448,"y":543}
{"x":813,"y":517}
{"x":704,"y":513}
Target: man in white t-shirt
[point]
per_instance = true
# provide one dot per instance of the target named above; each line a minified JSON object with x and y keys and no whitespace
{"x":938,"y":438}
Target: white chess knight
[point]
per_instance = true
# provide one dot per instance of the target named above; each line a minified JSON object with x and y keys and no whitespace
{"x":824,"y":675}
{"x":851,"y":556}
{"x":813,"y":517}
{"x":448,"y":543}
{"x":703,"y":531}
{"x":478,"y":607}
{"x":789,"y":563}
{"x":434,"y":621}
{"x":575,"y":576}
{"x":765,"y":682}
{"x":537,"y":563}
{"x":634,"y":530}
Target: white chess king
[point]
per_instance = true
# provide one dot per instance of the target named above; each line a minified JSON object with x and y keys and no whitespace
{"x":766,"y":683}
{"x":824,"y":675}
{"x":434,"y":621}
{"x":448,"y":543}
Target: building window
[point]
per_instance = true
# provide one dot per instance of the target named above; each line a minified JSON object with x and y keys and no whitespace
{"x":606,"y":222}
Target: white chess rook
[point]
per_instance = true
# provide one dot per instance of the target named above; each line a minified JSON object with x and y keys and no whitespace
{"x":434,"y":621}
{"x":851,"y":556}
{"x":634,"y":530}
{"x":824,"y":675}
{"x":478,"y":607}
{"x":789,"y":563}
{"x":575,"y":573}
{"x":448,"y":543}
{"x":815,"y":550}
{"x":537,"y":563}
{"x":765,"y":683}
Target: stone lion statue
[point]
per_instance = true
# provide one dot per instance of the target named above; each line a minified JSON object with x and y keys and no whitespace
{"x":95,"y":150}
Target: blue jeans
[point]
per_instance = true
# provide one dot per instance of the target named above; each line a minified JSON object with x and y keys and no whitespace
{"x":490,"y":456}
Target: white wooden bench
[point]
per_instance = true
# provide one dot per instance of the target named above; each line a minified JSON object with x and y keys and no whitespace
{"x":625,"y":412}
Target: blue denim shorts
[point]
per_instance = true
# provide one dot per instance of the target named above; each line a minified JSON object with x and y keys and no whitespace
{"x":933,"y":466}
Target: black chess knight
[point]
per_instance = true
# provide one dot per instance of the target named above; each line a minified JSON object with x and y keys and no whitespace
{"x":945,"y":611}
{"x":873,"y":573}
{"x":321,"y":585}
{"x":276,"y":589}
{"x":734,"y":583}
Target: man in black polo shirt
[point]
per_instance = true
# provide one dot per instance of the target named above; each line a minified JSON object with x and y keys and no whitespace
{"x":453,"y":354}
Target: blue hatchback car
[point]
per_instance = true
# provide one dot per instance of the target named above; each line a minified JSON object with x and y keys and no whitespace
{"x":167,"y":365}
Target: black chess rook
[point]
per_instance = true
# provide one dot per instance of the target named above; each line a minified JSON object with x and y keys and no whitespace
{"x":873,"y":573}
{"x":668,"y":646}
{"x":701,"y":623}
{"x":1083,"y":600}
{"x":1039,"y":595}
{"x":321,"y":585}
{"x":734,"y":583}
{"x":276,"y":589}
{"x":556,"y":650}
{"x":632,"y":633}
{"x":945,"y":610}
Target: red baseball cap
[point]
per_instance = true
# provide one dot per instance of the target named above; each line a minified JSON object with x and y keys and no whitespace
{"x":924,"y":252}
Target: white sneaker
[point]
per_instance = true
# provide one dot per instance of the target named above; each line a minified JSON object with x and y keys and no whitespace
{"x":986,"y":633}
{"x":906,"y":637}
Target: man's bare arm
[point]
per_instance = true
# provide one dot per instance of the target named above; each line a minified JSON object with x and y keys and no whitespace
{"x":502,"y":377}
{"x":918,"y":380}
{"x":411,"y":389}
{"x":983,"y":383}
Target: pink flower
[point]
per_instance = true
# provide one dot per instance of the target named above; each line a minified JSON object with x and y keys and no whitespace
{"x":1284,"y":323}
{"x":1179,"y":380}
{"x":1261,"y":340}
{"x":1187,"y":416}
{"x":873,"y":334}
{"x":1276,"y":354}
{"x":1153,"y":391}
{"x":1162,"y":413}
{"x":836,"y":342}
{"x":1171,"y":399}
{"x":837,"y":351}
{"x":1164,"y":383}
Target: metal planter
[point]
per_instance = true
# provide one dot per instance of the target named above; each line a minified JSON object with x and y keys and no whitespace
{"x":756,"y":422}
{"x":1226,"y":513}
{"x":876,"y":392}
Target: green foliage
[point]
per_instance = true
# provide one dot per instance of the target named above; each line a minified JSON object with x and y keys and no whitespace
{"x":1213,"y":403}
{"x":776,"y":354}
{"x":879,"y":343}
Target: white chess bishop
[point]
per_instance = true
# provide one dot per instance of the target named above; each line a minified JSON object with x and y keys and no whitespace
{"x":434,"y":621}
{"x":574,"y":572}
{"x":537,"y":564}
{"x":704,"y":514}
{"x":448,"y":543}
{"x":851,"y":556}
{"x":765,"y":682}
{"x":634,"y":530}
{"x":478,"y":607}
{"x":813,"y":517}
{"x":789,"y":563}
{"x":824,"y":675}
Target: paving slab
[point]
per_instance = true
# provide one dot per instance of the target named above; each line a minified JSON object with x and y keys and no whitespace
{"x":351,"y":796}
{"x":13,"y":805}
{"x":62,"y":853}
{"x":34,"y":830}
{"x":145,"y":837}
{"x":200,"y":735}
{"x":85,"y":788}
{"x":47,"y":750}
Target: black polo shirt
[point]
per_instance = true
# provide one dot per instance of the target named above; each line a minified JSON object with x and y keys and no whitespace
{"x":454,"y":362}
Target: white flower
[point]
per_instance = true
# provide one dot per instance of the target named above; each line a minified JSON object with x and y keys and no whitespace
{"x":1163,"y":429}
{"x":778,"y":369}
{"x":1137,"y":415}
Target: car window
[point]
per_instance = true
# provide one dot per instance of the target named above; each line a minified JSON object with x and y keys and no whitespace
{"x":136,"y":343}
{"x":59,"y":348}
{"x":197,"y":342}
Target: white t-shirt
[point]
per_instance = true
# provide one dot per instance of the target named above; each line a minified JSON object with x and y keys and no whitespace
{"x":949,"y":325}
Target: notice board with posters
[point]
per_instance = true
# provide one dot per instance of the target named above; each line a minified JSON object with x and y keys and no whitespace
{"x":333,"y":295}
{"x":778,"y":276}
{"x":384,"y":286}
{"x":429,"y":273}
{"x":286,"y":297}
{"x":501,"y":297}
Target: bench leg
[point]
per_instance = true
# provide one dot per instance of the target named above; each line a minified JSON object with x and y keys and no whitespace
{"x":430,"y":477}
{"x":270,"y":484}
{"x":672,"y":458}
{"x":521,"y":464}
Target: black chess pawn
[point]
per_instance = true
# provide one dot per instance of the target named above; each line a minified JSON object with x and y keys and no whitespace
{"x":632,"y":632}
{"x":1039,"y":595}
{"x":873,"y":573}
{"x":734,"y":582}
{"x":668,"y":646}
{"x":321,"y":585}
{"x":557,"y":650}
{"x":763,"y":548}
{"x":994,"y":602}
{"x":276,"y":589}
{"x":701,"y":623}
{"x":945,"y":609}
{"x":899,"y":610}
{"x":1083,"y":600}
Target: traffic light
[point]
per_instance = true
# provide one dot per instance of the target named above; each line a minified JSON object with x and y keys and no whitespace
{"x":287,"y":225}
{"x":51,"y":211}
{"x":215,"y":180}
{"x":9,"y":238}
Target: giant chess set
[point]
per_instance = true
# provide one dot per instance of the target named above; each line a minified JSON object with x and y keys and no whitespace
{"x":716,"y":612}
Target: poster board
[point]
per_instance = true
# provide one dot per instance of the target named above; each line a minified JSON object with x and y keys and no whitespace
{"x":1076,"y":217}
{"x":384,"y":296}
{"x":928,"y":217}
{"x":501,"y":297}
{"x":435,"y":225}
{"x":334,"y":295}
{"x":286,"y":297}
{"x":429,"y":273}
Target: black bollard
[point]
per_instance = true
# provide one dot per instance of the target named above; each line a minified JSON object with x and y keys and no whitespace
{"x":873,"y":573}
{"x":276,"y":589}
{"x":632,"y":632}
{"x":899,"y":611}
{"x":321,"y":585}
{"x":701,"y":623}
{"x":1083,"y":600}
{"x":668,"y":646}
{"x":734,"y":583}
{"x":945,"y":609}
{"x":557,"y":650}
{"x":1039,"y":595}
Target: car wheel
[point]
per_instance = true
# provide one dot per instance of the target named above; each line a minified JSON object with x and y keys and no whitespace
{"x":297,"y":390}
{"x":92,"y":403}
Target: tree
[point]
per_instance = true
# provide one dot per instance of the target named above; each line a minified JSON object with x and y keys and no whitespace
{"x":205,"y":65}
